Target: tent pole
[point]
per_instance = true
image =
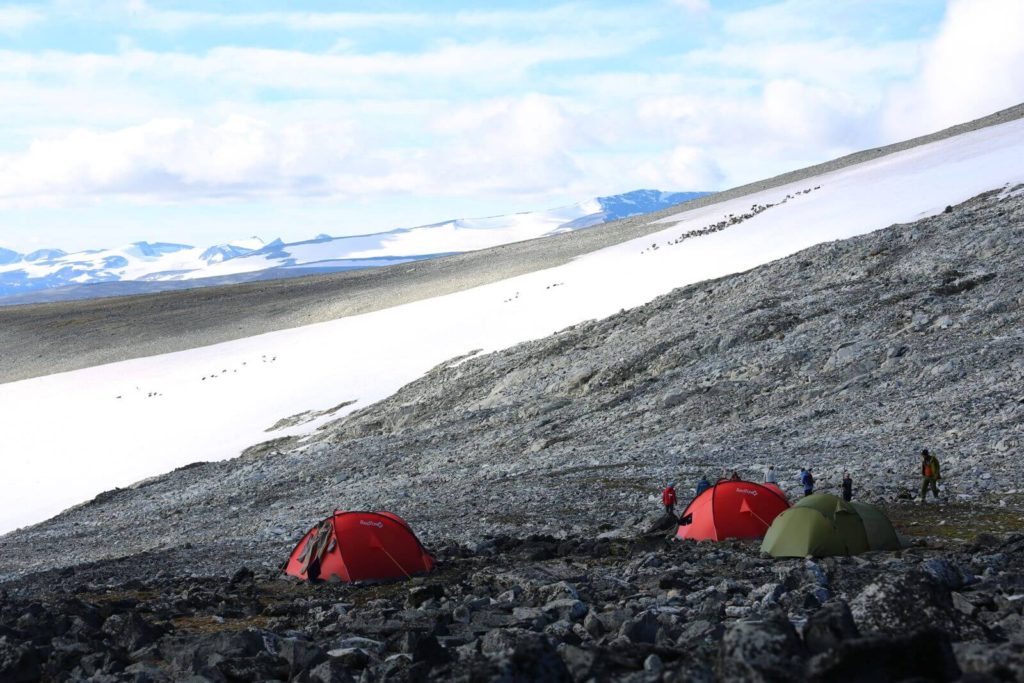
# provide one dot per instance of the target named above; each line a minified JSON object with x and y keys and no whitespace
{"x":385,"y":550}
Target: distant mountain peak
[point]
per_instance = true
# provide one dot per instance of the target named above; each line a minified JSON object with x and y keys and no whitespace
{"x":156,"y":249}
{"x":8,"y":256}
{"x":45,"y":254}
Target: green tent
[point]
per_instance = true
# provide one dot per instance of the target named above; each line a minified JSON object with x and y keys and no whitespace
{"x":823,"y":525}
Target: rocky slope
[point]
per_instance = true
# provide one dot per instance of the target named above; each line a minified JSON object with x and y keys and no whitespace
{"x":848,"y":355}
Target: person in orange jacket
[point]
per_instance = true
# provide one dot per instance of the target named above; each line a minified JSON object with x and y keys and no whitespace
{"x":929,"y":474}
{"x":668,"y":498}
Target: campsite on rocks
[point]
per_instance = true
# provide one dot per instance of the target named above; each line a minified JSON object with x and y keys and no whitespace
{"x":772,"y":432}
{"x":532,"y":476}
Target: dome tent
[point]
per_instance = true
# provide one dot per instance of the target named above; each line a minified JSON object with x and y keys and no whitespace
{"x":359,"y":546}
{"x":823,"y":525}
{"x":731,"y":509}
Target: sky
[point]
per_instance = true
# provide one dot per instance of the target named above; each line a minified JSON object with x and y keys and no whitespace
{"x":204,"y":122}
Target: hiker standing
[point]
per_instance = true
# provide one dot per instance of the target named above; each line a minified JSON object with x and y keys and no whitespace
{"x":735,"y":476}
{"x":929,"y":474}
{"x":807,"y":480}
{"x":668,"y":499}
{"x":847,"y":487}
{"x":769,"y":475}
{"x":702,"y":485}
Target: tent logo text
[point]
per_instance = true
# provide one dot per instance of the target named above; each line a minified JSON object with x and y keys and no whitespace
{"x":749,"y":492}
{"x":366,"y":522}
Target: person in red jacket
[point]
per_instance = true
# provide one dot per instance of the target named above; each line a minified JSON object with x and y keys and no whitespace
{"x":668,"y":497}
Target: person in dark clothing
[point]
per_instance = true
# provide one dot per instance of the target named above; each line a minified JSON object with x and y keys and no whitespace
{"x":807,"y":481}
{"x":702,"y":485}
{"x":668,"y":499}
{"x":847,"y":487}
{"x":735,"y":476}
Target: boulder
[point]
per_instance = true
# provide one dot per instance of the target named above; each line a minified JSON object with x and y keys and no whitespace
{"x":827,"y":627}
{"x":924,"y":655}
{"x":1003,"y":662}
{"x":19,"y":662}
{"x":129,"y":631}
{"x":519,"y":654}
{"x":642,"y":628}
{"x":766,"y":648}
{"x":330,"y":671}
{"x":566,"y":608}
{"x":663,"y":522}
{"x":900,"y":602}
{"x":301,"y":655}
{"x":947,"y":573}
{"x":581,"y":663}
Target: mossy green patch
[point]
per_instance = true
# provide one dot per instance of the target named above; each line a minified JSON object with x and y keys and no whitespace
{"x":955,"y":520}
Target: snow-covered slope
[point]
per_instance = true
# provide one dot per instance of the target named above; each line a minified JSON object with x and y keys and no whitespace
{"x":90,"y":430}
{"x":160,"y":262}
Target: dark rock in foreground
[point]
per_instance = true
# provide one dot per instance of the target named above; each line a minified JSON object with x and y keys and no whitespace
{"x":588,"y":611}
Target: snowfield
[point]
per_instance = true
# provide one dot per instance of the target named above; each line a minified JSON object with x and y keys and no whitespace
{"x":70,"y":436}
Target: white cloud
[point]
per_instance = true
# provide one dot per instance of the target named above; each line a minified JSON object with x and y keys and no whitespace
{"x":483,"y":62}
{"x":783,"y":21}
{"x":563,"y":18}
{"x":477,"y":111}
{"x":973,"y":67}
{"x":695,"y":6}
{"x":17,"y":18}
{"x":510,"y":147}
{"x":178,"y":159}
{"x":835,"y":62}
{"x":687,"y":167}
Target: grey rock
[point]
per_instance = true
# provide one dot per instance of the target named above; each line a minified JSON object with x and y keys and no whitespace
{"x":129,"y":631}
{"x":566,"y":608}
{"x":641,"y":629}
{"x":653,"y":664}
{"x":896,"y":604}
{"x":350,"y":657}
{"x":19,"y":663}
{"x":945,"y":572}
{"x":331,"y":671}
{"x":924,"y":655}
{"x":828,"y":626}
{"x":1002,"y":661}
{"x":763,"y":649}
{"x":520,"y":653}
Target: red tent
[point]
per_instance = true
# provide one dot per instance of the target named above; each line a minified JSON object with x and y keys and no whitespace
{"x":732,"y":509}
{"x":359,"y":546}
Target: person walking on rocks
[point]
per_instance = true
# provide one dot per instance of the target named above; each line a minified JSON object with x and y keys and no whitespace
{"x":929,"y":474}
{"x":702,"y":485}
{"x":807,"y":480}
{"x":769,"y":475}
{"x":668,"y":499}
{"x":847,"y":487}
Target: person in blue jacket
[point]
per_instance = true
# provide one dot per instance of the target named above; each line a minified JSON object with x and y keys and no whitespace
{"x":702,"y":485}
{"x":807,"y":480}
